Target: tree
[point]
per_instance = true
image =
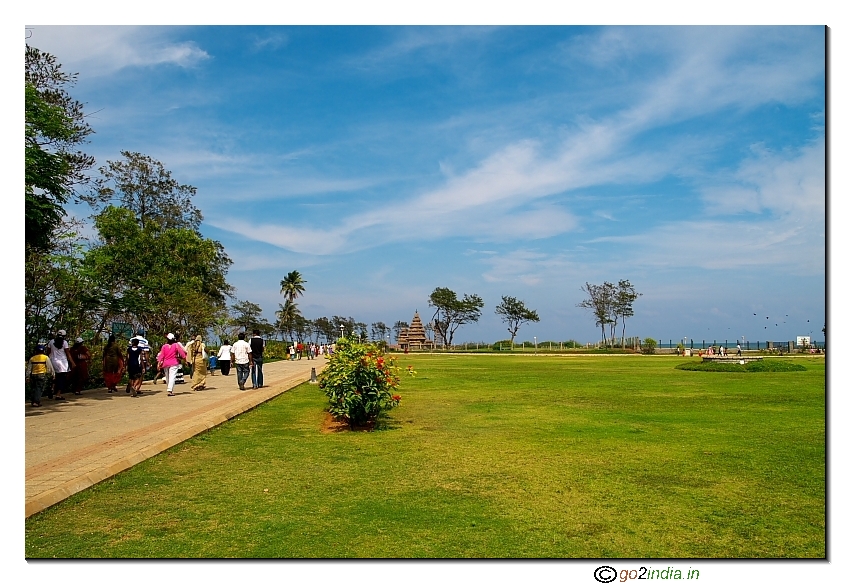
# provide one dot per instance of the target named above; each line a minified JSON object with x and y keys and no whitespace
{"x":248,"y":316}
{"x":287,"y":317}
{"x":379,"y":331}
{"x":144,"y":186}
{"x":624,"y":300}
{"x":599,"y":301}
{"x":325,"y":328}
{"x":141,"y":286}
{"x":346,"y":324}
{"x":292,"y":286}
{"x":59,"y":291}
{"x":514,"y":313}
{"x":55,"y":126}
{"x":451,"y":312}
{"x":398,"y":327}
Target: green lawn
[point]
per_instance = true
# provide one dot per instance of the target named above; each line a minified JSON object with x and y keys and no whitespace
{"x":488,"y":456}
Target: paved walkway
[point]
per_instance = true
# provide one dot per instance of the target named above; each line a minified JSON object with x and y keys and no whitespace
{"x":73,"y":444}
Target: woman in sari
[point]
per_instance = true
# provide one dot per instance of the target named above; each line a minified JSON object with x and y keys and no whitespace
{"x":113,"y":364}
{"x":198,"y":360}
{"x":80,"y":374}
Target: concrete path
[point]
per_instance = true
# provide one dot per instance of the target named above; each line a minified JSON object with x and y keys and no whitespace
{"x":73,"y":444}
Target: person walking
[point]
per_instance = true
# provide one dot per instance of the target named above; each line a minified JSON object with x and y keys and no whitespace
{"x":224,"y":357}
{"x":291,"y":352}
{"x":197,"y":351}
{"x":135,"y":366}
{"x":60,"y":357}
{"x":169,"y":360}
{"x":39,"y":372}
{"x":241,"y":354}
{"x":80,"y":375}
{"x":113,"y":364}
{"x":257,"y":347}
{"x":146,"y":353}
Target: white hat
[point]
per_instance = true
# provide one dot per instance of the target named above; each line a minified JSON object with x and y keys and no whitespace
{"x":61,"y":333}
{"x":170,"y":336}
{"x":79,"y":340}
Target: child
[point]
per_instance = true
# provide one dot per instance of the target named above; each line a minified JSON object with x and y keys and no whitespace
{"x":39,"y":368}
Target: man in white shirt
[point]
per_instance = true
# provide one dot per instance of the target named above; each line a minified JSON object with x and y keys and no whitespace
{"x":241,"y":354}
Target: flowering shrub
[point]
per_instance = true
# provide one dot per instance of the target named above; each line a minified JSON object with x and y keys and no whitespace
{"x":359,"y":382}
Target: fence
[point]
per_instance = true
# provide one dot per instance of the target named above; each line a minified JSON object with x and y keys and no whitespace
{"x":746,"y":345}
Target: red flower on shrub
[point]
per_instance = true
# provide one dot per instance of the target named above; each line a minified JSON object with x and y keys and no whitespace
{"x":396,"y":398}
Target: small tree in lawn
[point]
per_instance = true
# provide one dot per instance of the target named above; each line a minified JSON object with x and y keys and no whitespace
{"x":359,"y":382}
{"x":515,"y":314}
{"x":452,"y":312}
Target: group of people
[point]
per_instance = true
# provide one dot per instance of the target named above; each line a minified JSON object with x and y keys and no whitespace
{"x":56,"y":364}
{"x":311,"y":351}
{"x":247,"y":357}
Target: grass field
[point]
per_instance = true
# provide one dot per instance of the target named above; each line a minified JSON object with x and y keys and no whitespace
{"x":488,"y":456}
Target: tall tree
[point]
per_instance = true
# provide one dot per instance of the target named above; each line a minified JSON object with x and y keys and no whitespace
{"x":514,"y":313}
{"x":379,"y":331}
{"x":599,"y":302}
{"x":398,"y":327}
{"x":325,"y":328}
{"x":248,"y":315}
{"x":55,"y":127}
{"x":361,"y":330}
{"x":624,"y":301}
{"x":140,"y":285}
{"x":143,"y":185}
{"x":59,"y":290}
{"x":452,"y":313}
{"x":292,"y":286}
{"x":347,"y":325}
{"x":287,"y":317}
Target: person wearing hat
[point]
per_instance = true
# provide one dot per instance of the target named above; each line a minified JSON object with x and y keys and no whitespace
{"x":80,"y":374}
{"x":60,"y":357}
{"x":169,"y":360}
{"x":39,"y":368}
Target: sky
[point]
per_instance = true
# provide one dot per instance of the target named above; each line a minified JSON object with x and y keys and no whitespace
{"x":382,"y":162}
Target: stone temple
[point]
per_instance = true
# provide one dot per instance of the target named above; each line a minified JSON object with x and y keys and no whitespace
{"x":414,"y":337}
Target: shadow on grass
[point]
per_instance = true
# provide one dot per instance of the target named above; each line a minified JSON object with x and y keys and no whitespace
{"x":332,"y":425}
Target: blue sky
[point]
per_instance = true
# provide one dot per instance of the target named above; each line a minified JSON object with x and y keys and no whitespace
{"x":382,"y":162}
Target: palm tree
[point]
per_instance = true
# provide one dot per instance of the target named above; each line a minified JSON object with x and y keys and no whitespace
{"x":292,"y":286}
{"x":287,"y":316}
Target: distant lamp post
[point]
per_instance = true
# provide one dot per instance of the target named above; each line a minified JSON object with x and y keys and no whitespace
{"x":535,"y":345}
{"x":341,"y":331}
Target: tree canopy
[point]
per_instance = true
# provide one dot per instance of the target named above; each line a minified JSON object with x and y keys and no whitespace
{"x":55,"y":127}
{"x":135,"y":268}
{"x":143,"y":185}
{"x":292,"y":286}
{"x":451,"y":312}
{"x":514,"y":313}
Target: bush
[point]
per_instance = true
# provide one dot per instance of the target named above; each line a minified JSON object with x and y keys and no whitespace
{"x":649,"y":345}
{"x":772,"y":365}
{"x":502,"y":345}
{"x":359,"y":382}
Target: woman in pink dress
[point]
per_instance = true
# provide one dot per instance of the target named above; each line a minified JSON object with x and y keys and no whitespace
{"x":169,"y":358}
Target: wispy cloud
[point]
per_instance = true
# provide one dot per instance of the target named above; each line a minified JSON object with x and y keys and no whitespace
{"x":97,"y":51}
{"x":269,"y":42}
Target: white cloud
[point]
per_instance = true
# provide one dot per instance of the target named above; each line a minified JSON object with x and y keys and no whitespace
{"x":95,"y":51}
